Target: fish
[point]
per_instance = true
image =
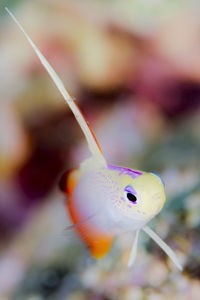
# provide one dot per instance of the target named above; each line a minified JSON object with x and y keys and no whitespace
{"x":105,"y":201}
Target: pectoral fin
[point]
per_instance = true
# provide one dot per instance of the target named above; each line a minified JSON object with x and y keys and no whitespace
{"x":163,"y":246}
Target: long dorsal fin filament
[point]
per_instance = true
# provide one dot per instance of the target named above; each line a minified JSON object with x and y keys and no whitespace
{"x":90,"y":137}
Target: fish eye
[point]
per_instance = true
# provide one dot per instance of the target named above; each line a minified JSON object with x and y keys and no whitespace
{"x":131,"y":197}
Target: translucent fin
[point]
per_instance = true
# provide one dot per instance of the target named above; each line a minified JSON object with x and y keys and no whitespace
{"x":163,"y":246}
{"x":92,"y":142}
{"x":81,"y":222}
{"x":134,"y":249}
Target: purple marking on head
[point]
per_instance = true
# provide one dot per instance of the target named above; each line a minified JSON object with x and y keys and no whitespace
{"x":125,"y":171}
{"x":130,"y":189}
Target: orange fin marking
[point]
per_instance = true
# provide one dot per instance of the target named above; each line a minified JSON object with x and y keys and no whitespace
{"x":71,"y":180}
{"x":98,"y":242}
{"x":100,"y":245}
{"x":90,"y":129}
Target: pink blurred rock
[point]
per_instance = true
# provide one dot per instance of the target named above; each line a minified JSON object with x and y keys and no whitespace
{"x":14,"y":147}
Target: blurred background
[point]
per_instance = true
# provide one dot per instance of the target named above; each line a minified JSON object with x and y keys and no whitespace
{"x":134,"y":68}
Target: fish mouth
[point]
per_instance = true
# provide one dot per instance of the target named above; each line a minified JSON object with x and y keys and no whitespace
{"x":143,"y":219}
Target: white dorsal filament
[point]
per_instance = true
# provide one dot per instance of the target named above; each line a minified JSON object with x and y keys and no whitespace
{"x":91,"y":140}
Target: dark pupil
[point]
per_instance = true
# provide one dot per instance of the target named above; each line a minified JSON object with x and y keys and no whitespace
{"x":131,"y":197}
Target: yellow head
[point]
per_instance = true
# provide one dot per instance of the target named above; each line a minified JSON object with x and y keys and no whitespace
{"x":136,"y":197}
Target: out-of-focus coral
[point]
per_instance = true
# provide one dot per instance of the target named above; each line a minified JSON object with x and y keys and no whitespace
{"x":14,"y":147}
{"x":176,"y":40}
{"x":103,"y":59}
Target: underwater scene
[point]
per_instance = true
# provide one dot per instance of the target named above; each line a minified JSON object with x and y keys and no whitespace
{"x":99,"y":150}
